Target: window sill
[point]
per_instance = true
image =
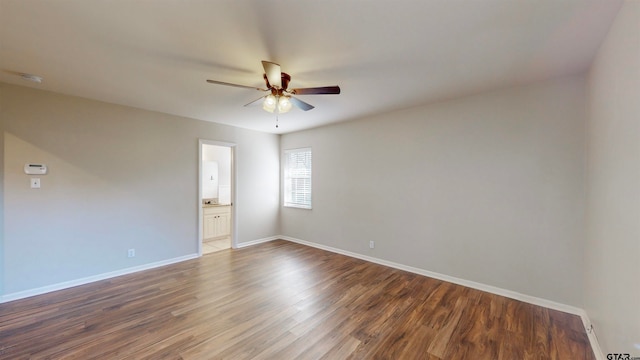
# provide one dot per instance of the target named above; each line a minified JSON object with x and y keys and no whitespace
{"x":298,"y":206}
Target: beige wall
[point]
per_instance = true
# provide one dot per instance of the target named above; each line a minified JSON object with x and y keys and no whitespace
{"x":612,"y":271}
{"x":119,"y":178}
{"x":488,"y":188}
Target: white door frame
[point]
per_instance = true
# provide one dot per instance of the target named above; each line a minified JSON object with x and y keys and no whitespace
{"x":234,"y":232}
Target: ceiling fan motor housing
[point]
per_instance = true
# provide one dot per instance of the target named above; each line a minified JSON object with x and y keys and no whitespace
{"x":285,"y":83}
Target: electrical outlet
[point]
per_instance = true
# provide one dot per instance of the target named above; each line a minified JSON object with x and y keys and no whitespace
{"x":131,"y":253}
{"x":372,"y":244}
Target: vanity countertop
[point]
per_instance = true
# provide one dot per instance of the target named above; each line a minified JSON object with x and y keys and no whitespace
{"x":214,"y":205}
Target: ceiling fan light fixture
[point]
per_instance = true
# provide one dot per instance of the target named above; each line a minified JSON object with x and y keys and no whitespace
{"x":269,"y":103}
{"x":284,"y":104}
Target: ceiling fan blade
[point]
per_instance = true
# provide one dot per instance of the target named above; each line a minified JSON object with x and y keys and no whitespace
{"x":234,"y":85}
{"x":317,"y":90}
{"x":301,"y":104}
{"x":274,"y":75}
{"x":255,"y":102}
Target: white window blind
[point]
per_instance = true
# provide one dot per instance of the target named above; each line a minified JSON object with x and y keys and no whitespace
{"x":297,"y":178}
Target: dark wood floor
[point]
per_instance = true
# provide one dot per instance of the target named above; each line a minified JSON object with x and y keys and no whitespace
{"x":281,"y":300}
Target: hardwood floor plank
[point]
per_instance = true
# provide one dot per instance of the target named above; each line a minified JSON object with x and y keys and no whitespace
{"x":342,"y":349}
{"x":476,"y":334}
{"x":281,"y":300}
{"x":443,"y":337}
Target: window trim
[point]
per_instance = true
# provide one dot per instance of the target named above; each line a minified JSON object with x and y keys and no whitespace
{"x":286,"y":198}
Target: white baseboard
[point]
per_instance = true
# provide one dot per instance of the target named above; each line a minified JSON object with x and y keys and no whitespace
{"x":595,"y":346}
{"x":258,"y":241}
{"x":90,"y":279}
{"x":72,"y":283}
{"x":472,"y":284}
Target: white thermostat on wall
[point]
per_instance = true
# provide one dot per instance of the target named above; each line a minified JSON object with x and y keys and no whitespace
{"x":35,"y":169}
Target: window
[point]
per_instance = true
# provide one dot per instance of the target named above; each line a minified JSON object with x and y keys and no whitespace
{"x":297,"y":178}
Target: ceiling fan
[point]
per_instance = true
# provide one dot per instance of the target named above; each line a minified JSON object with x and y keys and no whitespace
{"x":280,"y":98}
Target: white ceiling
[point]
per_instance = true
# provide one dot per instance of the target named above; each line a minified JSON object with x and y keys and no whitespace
{"x":384,"y":54}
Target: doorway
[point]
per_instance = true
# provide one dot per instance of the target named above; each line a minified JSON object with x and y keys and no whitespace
{"x":216,"y":178}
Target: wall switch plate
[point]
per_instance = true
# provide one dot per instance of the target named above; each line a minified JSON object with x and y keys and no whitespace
{"x":131,"y":253}
{"x":372,"y":244}
{"x":35,"y":183}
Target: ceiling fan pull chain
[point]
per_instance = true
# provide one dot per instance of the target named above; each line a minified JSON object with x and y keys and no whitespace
{"x":276,"y":120}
